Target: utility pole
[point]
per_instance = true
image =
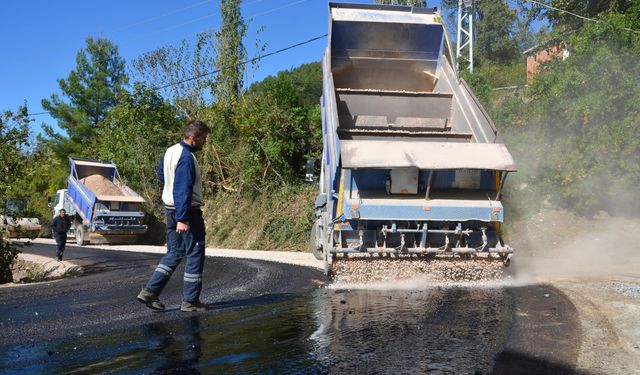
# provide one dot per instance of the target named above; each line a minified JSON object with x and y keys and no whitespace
{"x":464,"y":41}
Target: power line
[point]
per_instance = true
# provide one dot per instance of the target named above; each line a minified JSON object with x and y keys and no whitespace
{"x":218,"y":13}
{"x":277,"y":8}
{"x":243,"y":62}
{"x":194,"y":20}
{"x":160,"y":16}
{"x":579,"y":16}
{"x":191,"y":21}
{"x":218,"y":70}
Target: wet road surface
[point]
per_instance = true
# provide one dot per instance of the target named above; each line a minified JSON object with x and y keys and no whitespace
{"x":273,"y":318}
{"x":104,"y":297}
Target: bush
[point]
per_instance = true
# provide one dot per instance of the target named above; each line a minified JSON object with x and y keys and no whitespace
{"x":8,"y":255}
{"x":573,"y":132}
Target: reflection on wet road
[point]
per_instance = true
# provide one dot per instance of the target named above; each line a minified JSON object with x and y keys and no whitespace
{"x":441,"y":330}
{"x":438,"y":331}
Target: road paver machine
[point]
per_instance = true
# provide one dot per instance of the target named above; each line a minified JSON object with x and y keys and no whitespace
{"x":411,"y":164}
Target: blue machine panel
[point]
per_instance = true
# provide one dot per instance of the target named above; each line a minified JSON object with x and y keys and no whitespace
{"x":422,"y":210}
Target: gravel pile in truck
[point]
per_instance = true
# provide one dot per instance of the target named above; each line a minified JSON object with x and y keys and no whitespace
{"x":101,"y":185}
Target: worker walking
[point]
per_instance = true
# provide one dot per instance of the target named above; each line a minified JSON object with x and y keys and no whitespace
{"x":59,"y":227}
{"x":182,"y":196}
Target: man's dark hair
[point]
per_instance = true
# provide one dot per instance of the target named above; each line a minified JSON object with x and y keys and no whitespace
{"x":196,"y":127}
{"x":63,"y":210}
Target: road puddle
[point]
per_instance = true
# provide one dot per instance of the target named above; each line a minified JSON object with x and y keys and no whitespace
{"x":438,"y":330}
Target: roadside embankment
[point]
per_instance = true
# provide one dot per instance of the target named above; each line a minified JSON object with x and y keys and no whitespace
{"x":31,"y":268}
{"x":288,"y":257}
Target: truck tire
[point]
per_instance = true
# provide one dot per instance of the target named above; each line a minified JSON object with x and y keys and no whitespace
{"x":317,"y":251}
{"x":80,"y":230}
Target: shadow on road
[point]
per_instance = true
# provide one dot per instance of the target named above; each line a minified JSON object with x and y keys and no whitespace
{"x":514,"y":363}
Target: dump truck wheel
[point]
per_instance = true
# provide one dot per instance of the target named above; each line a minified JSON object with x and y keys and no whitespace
{"x":317,"y":251}
{"x":80,"y":241}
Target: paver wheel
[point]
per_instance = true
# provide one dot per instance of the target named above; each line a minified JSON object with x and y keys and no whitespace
{"x":313,"y":243}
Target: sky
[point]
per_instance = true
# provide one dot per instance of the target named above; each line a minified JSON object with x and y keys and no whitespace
{"x":39,"y":40}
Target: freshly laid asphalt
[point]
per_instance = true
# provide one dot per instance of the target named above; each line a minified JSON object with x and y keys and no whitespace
{"x":104,"y":297}
{"x":511,"y":330}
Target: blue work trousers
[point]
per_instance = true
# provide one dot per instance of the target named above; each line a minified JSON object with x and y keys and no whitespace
{"x":61,"y":242}
{"x":191,"y":245}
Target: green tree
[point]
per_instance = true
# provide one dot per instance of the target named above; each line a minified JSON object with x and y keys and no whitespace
{"x":135,"y":134}
{"x":230,"y":54}
{"x":307,"y":79}
{"x":43,"y":174}
{"x":14,"y":133}
{"x":495,"y":27}
{"x":584,"y":118}
{"x":91,"y":89}
{"x":222,"y":155}
{"x":280,"y":126}
{"x":8,"y":255}
{"x":181,"y":74}
{"x":586,"y":8}
{"x":14,"y":137}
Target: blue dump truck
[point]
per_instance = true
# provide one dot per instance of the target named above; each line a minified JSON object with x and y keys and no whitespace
{"x":101,"y":207}
{"x":411,"y":162}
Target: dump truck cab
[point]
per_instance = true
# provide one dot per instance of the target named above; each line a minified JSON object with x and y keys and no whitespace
{"x":411,"y":164}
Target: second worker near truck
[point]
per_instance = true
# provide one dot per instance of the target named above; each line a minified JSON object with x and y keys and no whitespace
{"x":59,"y":227}
{"x":182,"y":196}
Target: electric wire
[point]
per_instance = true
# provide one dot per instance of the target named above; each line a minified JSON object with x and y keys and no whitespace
{"x":190,"y":21}
{"x":160,"y":16}
{"x":173,"y":27}
{"x":579,"y":16}
{"x":277,"y":8}
{"x":218,"y":70}
{"x":241,"y":63}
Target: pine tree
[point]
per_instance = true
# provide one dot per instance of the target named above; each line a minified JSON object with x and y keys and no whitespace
{"x":91,"y":89}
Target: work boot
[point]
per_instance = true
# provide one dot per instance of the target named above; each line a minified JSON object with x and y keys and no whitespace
{"x":192,"y":306}
{"x":150,"y":299}
{"x":59,"y":257}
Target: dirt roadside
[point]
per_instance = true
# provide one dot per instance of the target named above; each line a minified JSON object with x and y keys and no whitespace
{"x":596,"y":263}
{"x":610,"y":320}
